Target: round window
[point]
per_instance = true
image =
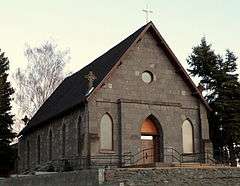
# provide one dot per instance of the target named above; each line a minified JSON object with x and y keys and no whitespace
{"x":147,"y":77}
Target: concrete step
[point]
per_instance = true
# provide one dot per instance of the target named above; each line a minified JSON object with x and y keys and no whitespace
{"x":155,"y":164}
{"x":193,"y":165}
{"x":161,"y":164}
{"x":141,"y":165}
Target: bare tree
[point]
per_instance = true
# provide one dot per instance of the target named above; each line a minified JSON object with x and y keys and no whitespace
{"x":44,"y":72}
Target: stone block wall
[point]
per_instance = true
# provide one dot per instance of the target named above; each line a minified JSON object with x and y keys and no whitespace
{"x":173,"y":176}
{"x":78,"y":178}
{"x":167,"y":97}
{"x":128,"y":100}
{"x":70,"y":121}
{"x":132,"y":177}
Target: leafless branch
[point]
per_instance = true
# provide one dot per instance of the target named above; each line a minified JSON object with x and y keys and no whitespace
{"x":44,"y":72}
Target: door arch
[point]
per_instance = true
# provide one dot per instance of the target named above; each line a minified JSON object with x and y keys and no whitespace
{"x":151,"y":140}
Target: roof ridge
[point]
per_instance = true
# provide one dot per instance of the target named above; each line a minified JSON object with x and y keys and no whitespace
{"x":111,"y":48}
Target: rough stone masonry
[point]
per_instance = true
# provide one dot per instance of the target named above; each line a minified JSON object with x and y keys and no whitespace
{"x":133,"y":177}
{"x":137,"y":80}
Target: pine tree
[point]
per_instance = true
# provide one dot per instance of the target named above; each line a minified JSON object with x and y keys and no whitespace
{"x":6,"y":135}
{"x":202,"y":63}
{"x":228,"y":105}
{"x":220,"y":79}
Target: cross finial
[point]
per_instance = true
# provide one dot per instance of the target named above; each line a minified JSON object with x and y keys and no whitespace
{"x":147,"y":12}
{"x":90,"y":77}
{"x":25,"y":120}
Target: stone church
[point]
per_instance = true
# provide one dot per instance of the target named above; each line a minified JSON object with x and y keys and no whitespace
{"x":135,"y":104}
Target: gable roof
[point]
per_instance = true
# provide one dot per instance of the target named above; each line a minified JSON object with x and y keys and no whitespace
{"x":72,"y":91}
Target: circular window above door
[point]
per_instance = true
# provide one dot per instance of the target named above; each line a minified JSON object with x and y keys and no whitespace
{"x":147,"y":77}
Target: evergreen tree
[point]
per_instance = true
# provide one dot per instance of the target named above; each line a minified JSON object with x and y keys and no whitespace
{"x":202,"y":63}
{"x":7,"y":155}
{"x":220,"y":80}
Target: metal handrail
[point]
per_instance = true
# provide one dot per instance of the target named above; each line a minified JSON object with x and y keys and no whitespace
{"x":129,"y":159}
{"x":173,"y":150}
{"x":177,"y":157}
{"x":139,"y":154}
{"x":205,"y":156}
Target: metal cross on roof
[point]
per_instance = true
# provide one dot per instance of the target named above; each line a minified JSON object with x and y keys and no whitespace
{"x":147,"y":12}
{"x":90,"y":77}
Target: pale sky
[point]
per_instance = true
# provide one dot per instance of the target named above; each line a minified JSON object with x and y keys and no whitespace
{"x":89,"y":28}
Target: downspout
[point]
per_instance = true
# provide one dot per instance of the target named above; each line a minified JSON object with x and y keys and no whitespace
{"x":119,"y":133}
{"x":88,"y":137}
{"x":202,"y":155}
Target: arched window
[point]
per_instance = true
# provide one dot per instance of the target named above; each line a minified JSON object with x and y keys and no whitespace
{"x":63,"y":139}
{"x":38,"y":149}
{"x":187,"y":135}
{"x":79,"y":134}
{"x":50,"y":145}
{"x":28,"y":154}
{"x":106,"y":132}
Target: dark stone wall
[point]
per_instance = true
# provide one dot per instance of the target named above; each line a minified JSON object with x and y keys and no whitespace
{"x":168,"y":98}
{"x":129,"y":101}
{"x":173,"y":176}
{"x":129,"y":177}
{"x":79,"y":178}
{"x":70,"y":121}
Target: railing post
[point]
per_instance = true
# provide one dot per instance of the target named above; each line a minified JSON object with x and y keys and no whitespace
{"x":143,"y":157}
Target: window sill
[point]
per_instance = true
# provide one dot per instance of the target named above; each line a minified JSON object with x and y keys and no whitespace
{"x":188,"y":154}
{"x":107,"y":152}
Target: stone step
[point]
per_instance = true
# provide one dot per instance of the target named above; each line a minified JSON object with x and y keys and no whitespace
{"x":193,"y":165}
{"x":160,"y":164}
{"x":141,"y":165}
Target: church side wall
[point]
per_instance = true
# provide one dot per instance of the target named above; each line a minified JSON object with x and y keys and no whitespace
{"x":167,"y":97}
{"x":71,"y":121}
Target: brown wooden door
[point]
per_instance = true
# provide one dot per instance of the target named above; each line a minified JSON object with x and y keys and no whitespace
{"x":147,"y":149}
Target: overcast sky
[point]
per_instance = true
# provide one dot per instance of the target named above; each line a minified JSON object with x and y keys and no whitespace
{"x":89,"y":28}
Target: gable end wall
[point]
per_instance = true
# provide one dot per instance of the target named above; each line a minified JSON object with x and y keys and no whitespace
{"x":168,"y":97}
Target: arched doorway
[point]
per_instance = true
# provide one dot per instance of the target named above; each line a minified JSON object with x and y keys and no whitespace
{"x":151,"y":141}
